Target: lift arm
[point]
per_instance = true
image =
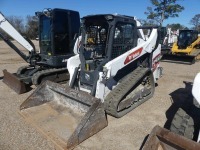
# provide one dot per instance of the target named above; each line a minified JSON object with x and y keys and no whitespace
{"x":10,"y":30}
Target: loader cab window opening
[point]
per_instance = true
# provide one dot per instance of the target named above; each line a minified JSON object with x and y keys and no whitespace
{"x":123,"y":39}
{"x":95,"y":41}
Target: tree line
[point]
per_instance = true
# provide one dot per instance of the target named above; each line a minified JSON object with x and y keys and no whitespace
{"x":163,"y":9}
{"x":27,"y":26}
{"x":160,"y":11}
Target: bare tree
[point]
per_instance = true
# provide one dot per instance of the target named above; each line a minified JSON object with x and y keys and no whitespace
{"x":17,"y":22}
{"x":195,"y":21}
{"x":31,"y":27}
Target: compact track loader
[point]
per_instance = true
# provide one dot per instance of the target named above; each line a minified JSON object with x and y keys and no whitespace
{"x":57,"y":31}
{"x":115,"y":72}
{"x":186,"y":49}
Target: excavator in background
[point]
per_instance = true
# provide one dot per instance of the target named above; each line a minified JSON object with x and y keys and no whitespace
{"x":58,"y":29}
{"x":115,"y":71}
{"x":186,"y":49}
{"x":184,"y":130}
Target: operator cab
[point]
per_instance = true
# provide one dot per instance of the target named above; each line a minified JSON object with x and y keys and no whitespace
{"x":55,"y":34}
{"x":57,"y":29}
{"x":104,"y":38}
{"x":186,"y":38}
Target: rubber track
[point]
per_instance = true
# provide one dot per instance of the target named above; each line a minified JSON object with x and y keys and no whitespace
{"x":115,"y":96}
{"x":183,"y":124}
{"x":38,"y":74}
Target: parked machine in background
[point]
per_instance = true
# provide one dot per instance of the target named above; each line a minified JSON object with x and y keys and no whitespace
{"x":186,"y":49}
{"x":115,"y":71}
{"x":168,"y":38}
{"x":182,"y":130}
{"x":57,"y":31}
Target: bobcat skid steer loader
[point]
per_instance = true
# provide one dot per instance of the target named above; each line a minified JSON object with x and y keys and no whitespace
{"x":115,"y":72}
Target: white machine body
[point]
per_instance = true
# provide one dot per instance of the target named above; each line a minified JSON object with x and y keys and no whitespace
{"x":110,"y":69}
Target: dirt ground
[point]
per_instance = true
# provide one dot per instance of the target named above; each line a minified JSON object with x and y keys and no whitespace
{"x":127,"y":133}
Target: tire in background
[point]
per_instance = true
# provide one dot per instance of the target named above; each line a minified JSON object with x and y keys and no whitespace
{"x":183,"y":124}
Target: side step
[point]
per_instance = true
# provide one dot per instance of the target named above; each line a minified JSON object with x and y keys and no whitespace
{"x":65,"y":116}
{"x":163,"y":139}
{"x":14,"y":83}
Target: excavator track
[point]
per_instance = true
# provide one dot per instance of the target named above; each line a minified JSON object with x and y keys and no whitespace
{"x":55,"y":75}
{"x":22,"y":70}
{"x":128,"y":94}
